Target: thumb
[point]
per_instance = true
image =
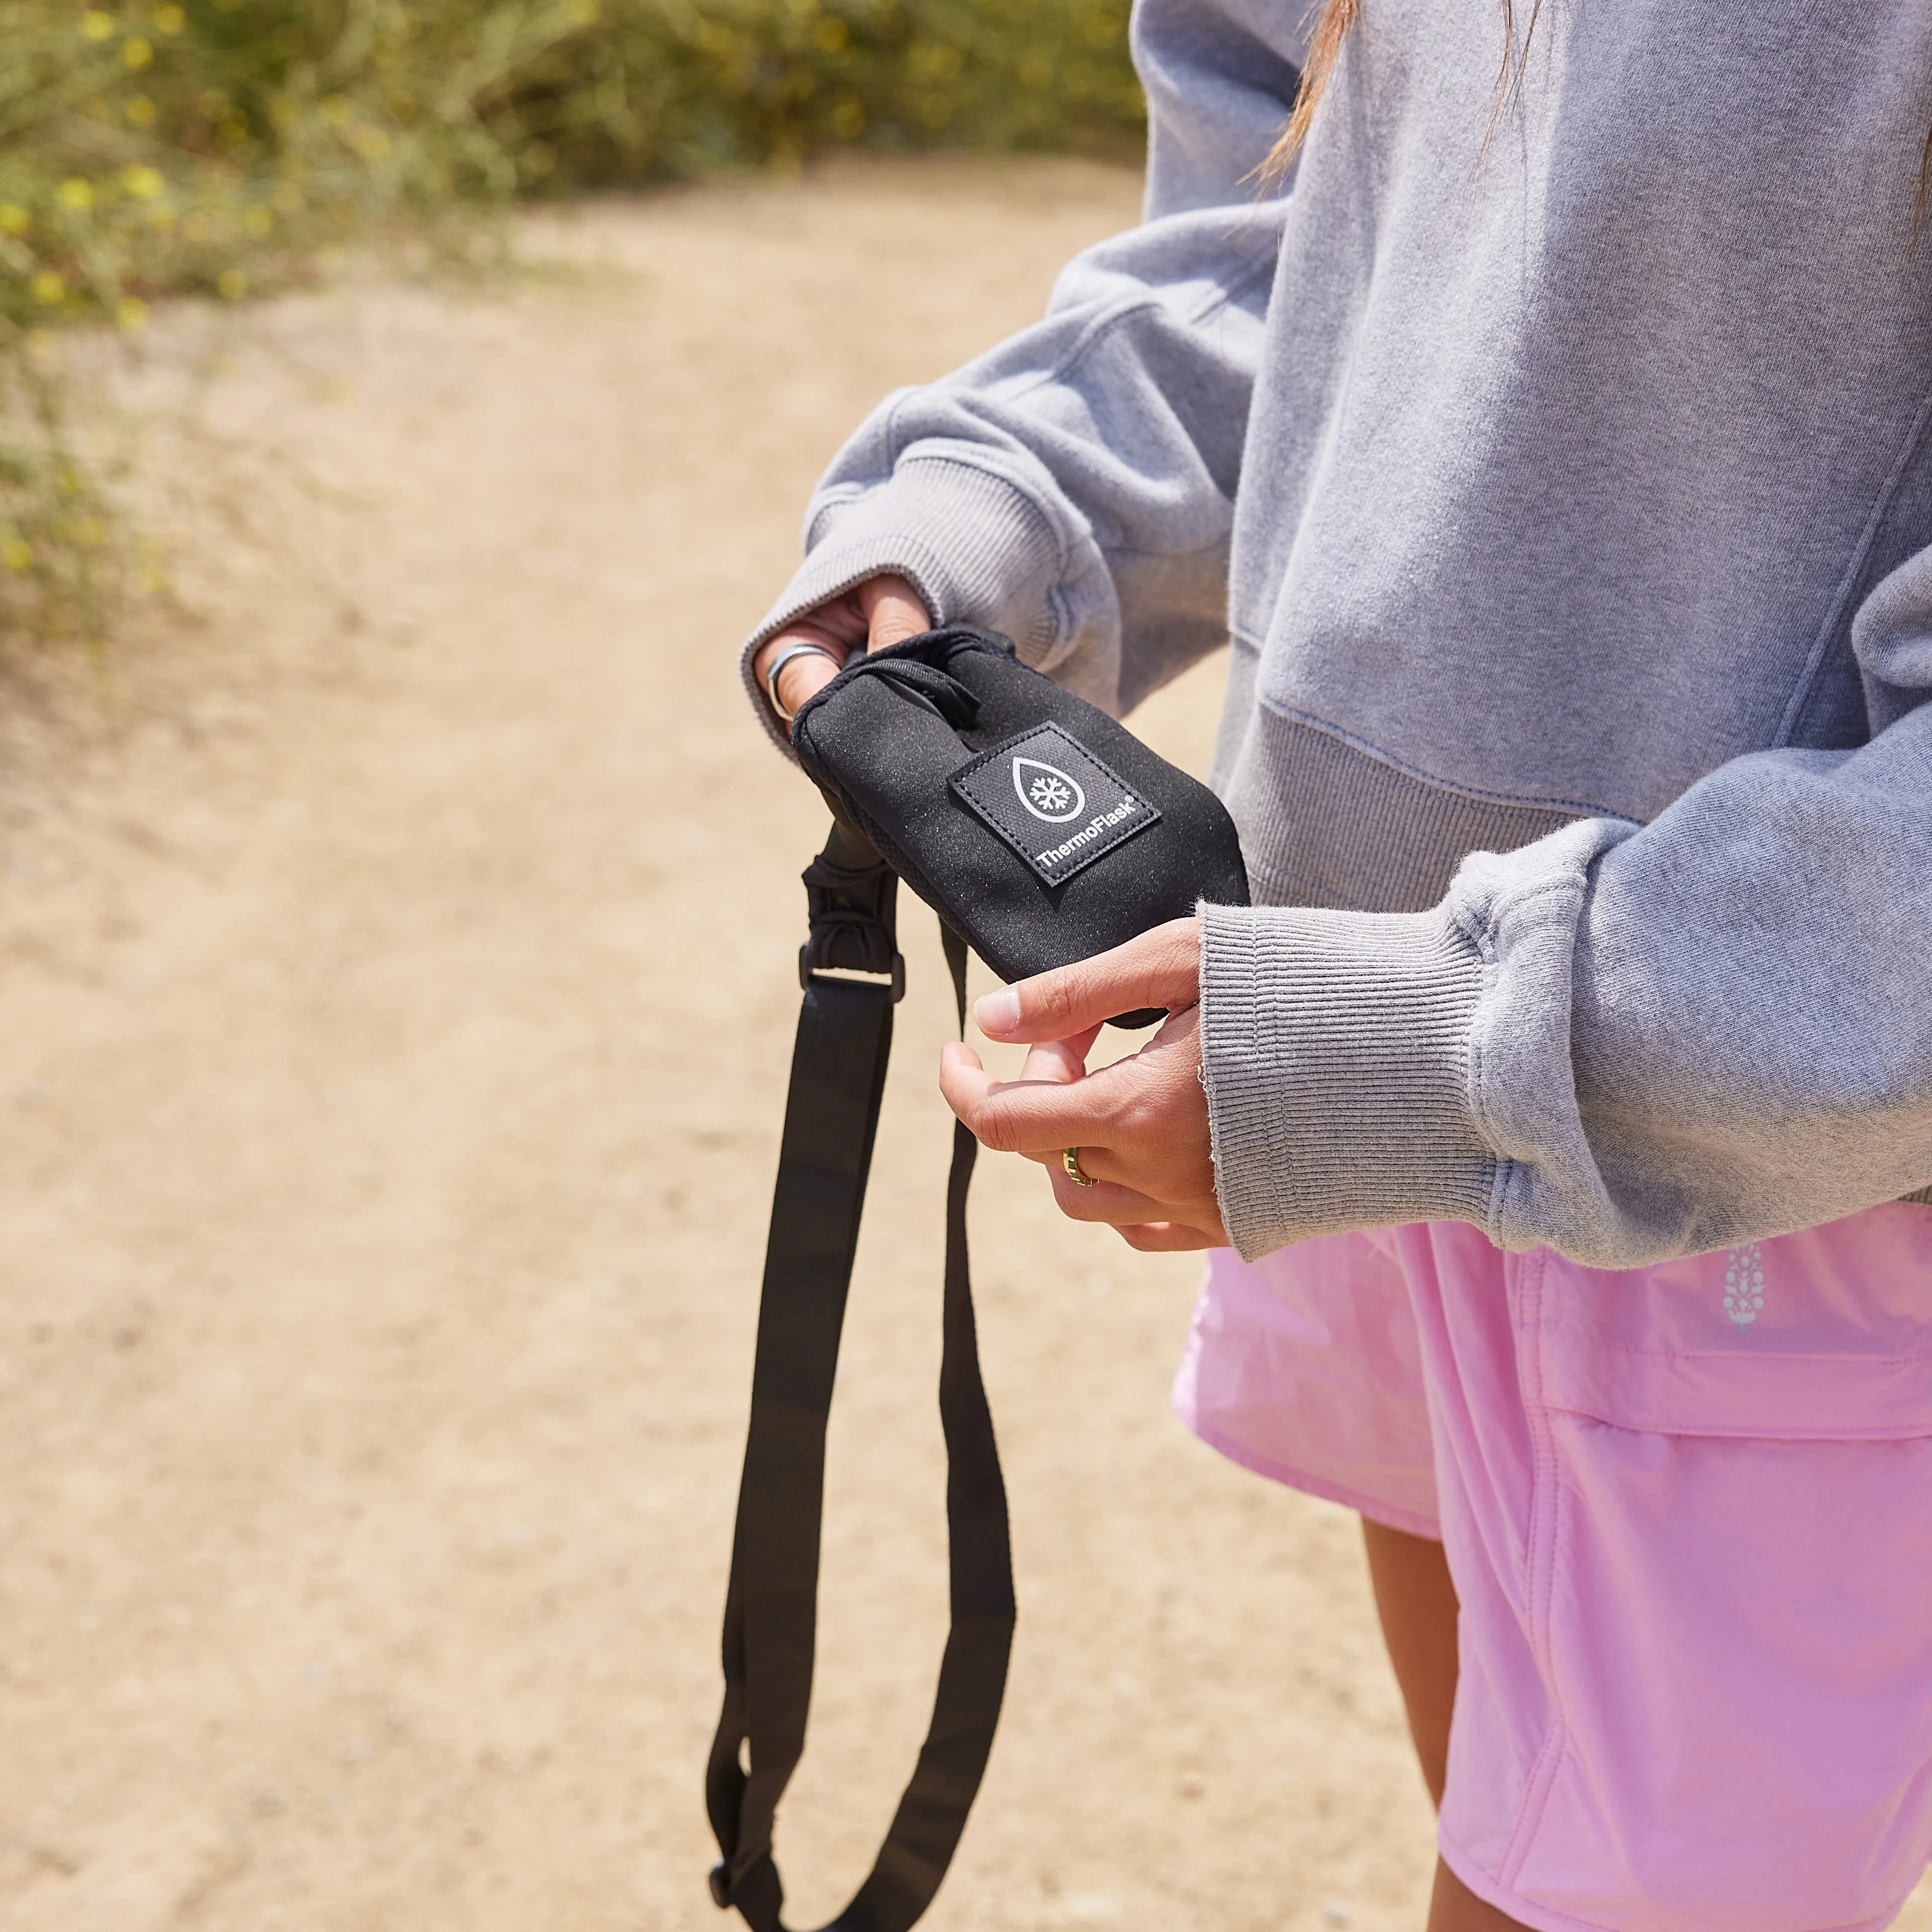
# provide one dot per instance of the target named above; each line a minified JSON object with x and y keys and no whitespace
{"x":894,"y":611}
{"x":1160,"y":968}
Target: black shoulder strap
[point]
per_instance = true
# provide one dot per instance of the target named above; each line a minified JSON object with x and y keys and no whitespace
{"x":832,"y":1115}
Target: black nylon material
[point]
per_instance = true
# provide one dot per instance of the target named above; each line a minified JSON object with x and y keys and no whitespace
{"x":886,"y":741}
{"x":883,"y":737}
{"x":831,"y":1113}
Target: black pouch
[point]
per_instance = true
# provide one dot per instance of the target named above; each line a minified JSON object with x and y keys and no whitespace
{"x":1041,"y":832}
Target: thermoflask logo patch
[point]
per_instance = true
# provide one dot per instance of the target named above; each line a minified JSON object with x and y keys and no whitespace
{"x":1047,"y":792}
{"x":1052,"y":801}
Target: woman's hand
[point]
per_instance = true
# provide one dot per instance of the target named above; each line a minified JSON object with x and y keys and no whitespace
{"x":882,"y":610}
{"x":1140,"y":1125}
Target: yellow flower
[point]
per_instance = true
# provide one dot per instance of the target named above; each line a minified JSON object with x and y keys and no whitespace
{"x":137,"y":53}
{"x":96,"y":26}
{"x":169,"y":20}
{"x":131,"y":312}
{"x":14,"y":220}
{"x":140,"y":110}
{"x":75,"y":194}
{"x":583,"y":12}
{"x":232,"y":284}
{"x":287,"y":197}
{"x":15,"y":553}
{"x":848,"y":120}
{"x":257,"y":221}
{"x":49,"y":286}
{"x":831,"y":33}
{"x":144,"y":184}
{"x":371,"y":143}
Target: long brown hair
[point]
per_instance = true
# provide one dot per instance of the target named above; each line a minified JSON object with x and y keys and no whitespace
{"x":1325,"y":49}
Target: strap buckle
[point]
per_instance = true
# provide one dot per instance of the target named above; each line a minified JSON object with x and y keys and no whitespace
{"x":852,"y":909}
{"x":809,"y":968}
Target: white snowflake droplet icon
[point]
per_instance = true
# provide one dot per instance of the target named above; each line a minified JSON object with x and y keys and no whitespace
{"x":1050,"y":794}
{"x":1743,"y":1284}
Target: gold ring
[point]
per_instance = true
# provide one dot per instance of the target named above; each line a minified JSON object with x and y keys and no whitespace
{"x":1070,"y":1160}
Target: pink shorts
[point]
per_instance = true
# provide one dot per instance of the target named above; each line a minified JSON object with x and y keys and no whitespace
{"x":1688,"y":1510}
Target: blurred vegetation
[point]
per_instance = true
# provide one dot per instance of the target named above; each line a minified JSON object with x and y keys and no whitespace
{"x":222,"y":148}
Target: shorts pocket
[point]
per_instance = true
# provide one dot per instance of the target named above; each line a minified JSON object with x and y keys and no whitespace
{"x":1732,"y":1625}
{"x":1823,"y":1334}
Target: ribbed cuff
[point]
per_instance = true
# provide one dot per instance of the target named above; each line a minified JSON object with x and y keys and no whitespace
{"x":976,"y":549}
{"x":1336,"y":1053}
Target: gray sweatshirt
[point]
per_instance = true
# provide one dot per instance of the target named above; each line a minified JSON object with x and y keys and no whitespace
{"x":1559,"y":468}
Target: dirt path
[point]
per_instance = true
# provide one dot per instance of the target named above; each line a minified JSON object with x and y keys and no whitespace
{"x":397,"y":1009}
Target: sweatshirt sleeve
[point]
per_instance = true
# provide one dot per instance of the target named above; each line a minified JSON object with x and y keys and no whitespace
{"x":1074,"y":488}
{"x":1626,"y":1043}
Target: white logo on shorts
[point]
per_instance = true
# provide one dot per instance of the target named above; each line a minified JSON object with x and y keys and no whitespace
{"x":1743,"y":1284}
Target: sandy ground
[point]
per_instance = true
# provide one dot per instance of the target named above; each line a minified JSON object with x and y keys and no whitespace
{"x":396,"y":969}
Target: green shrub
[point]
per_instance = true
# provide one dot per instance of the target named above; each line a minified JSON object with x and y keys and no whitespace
{"x":169,"y":147}
{"x":657,"y":89}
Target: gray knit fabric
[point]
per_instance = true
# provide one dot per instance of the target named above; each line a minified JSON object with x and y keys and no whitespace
{"x":1558,"y":467}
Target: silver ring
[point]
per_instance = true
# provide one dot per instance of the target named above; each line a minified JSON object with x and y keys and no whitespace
{"x":784,"y":658}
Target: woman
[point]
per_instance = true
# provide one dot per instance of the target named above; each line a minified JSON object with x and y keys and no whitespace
{"x":1553,"y":445}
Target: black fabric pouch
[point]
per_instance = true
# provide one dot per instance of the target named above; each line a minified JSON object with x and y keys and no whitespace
{"x":1038,"y":829}
{"x":1041,"y":832}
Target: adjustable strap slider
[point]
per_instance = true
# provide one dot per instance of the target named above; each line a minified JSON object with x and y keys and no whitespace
{"x":852,"y":928}
{"x":809,"y":962}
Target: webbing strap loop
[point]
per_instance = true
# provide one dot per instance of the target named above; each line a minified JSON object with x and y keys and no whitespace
{"x":832,"y":1116}
{"x":850,"y":893}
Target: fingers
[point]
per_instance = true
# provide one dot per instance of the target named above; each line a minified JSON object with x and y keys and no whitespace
{"x":893,"y":611}
{"x":805,"y":677}
{"x":1061,"y":1061}
{"x":1167,"y":1237}
{"x":808,"y":673}
{"x":1016,"y":1116}
{"x":1154,"y":1227}
{"x":1160,"y":968}
{"x":882,"y":610}
{"x":1140,"y":1126}
{"x":1116,"y":1205}
{"x":1106,"y":1201}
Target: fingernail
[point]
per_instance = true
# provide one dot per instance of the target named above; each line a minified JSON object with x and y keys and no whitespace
{"x":998,"y":1012}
